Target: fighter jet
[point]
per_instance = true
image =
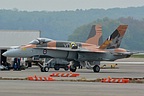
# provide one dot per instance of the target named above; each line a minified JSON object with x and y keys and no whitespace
{"x":89,"y":53}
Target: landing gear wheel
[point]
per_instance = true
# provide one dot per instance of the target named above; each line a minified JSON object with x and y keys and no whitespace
{"x":56,"y":67}
{"x":73,"y":68}
{"x":96,"y":68}
{"x":42,"y":69}
{"x":28,"y":64}
{"x":66,"y":68}
{"x":46,"y":69}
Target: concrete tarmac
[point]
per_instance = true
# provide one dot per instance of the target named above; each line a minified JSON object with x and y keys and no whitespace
{"x":54,"y":88}
{"x":66,"y":88}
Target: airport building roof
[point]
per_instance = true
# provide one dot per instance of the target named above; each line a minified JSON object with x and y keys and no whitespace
{"x":10,"y":38}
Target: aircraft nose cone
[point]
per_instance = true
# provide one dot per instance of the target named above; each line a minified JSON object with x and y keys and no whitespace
{"x":9,"y":53}
{"x":17,"y":52}
{"x":4,"y":54}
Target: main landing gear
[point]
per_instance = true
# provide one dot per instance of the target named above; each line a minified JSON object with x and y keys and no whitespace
{"x":73,"y":68}
{"x":74,"y":65}
{"x":44,"y":69}
{"x":96,"y":68}
{"x":54,"y":63}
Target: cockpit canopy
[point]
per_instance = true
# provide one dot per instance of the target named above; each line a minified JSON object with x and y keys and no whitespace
{"x":40,"y":41}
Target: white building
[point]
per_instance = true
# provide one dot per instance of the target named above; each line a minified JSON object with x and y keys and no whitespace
{"x":9,"y":38}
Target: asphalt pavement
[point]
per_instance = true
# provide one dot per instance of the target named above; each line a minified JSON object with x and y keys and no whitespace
{"x":67,"y":88}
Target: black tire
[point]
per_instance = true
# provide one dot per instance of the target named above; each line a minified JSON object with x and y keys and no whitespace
{"x":29,"y":64}
{"x":96,"y":68}
{"x":26,"y":64}
{"x":66,"y":68}
{"x":42,"y":69}
{"x":56,"y":67}
{"x":46,"y":69}
{"x":73,"y":68}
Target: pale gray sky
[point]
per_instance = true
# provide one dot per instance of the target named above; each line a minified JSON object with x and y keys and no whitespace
{"x":59,"y":5}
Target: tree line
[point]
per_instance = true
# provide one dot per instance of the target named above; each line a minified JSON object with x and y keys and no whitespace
{"x":60,"y":25}
{"x":132,"y":40}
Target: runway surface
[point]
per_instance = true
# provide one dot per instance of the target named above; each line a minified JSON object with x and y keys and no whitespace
{"x":66,"y":88}
{"x":31,"y":88}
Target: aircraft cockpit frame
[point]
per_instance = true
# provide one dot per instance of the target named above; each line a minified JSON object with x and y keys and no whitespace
{"x":40,"y":41}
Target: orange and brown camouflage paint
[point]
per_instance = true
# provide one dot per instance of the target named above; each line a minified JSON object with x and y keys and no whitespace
{"x":95,"y":35}
{"x":92,"y":42}
{"x":115,"y":39}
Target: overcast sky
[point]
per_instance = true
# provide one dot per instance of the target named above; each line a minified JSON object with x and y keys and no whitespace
{"x":60,"y":5}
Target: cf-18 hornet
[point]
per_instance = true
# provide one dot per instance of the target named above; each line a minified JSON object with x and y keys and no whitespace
{"x":91,"y":52}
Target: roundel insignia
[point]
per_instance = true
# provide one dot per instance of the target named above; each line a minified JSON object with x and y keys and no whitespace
{"x":44,"y":51}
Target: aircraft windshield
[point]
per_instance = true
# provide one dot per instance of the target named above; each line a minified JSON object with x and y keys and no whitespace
{"x":34,"y":42}
{"x":40,"y":41}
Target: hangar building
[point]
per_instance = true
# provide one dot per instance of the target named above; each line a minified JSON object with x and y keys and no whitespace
{"x":10,"y":38}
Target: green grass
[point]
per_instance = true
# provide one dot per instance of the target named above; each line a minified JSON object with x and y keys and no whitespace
{"x":137,"y":56}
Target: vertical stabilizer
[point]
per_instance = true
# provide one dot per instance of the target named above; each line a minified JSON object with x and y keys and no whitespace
{"x":114,"y":40}
{"x":95,"y":36}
